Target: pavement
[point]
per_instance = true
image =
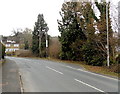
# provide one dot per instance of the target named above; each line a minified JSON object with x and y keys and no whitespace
{"x":10,"y":77}
{"x":0,"y":77}
{"x":48,"y":76}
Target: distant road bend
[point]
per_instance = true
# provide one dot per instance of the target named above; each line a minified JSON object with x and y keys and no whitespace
{"x":48,"y":76}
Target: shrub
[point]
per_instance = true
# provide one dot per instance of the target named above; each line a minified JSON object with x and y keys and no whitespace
{"x":91,"y":55}
{"x":115,"y":68}
{"x":10,"y":53}
{"x":54,"y":47}
{"x":2,"y":51}
{"x":23,"y":53}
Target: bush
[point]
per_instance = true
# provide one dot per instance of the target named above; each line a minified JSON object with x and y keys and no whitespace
{"x":54,"y":47}
{"x":62,"y":55}
{"x":115,"y":68}
{"x":2,"y":51}
{"x":23,"y":53}
{"x":91,"y":55}
{"x":10,"y":53}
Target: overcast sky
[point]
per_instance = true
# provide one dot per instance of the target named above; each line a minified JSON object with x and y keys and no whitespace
{"x":23,"y":13}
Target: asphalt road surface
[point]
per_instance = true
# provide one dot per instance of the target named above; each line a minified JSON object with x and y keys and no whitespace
{"x":48,"y":76}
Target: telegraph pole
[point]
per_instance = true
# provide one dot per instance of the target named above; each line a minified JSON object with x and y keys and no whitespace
{"x":108,"y":57}
{"x":46,"y":44}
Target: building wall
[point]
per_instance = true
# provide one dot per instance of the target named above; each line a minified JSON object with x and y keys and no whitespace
{"x":0,"y":51}
{"x":11,"y":47}
{"x":0,"y":47}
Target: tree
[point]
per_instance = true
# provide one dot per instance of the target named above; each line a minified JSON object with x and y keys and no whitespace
{"x":17,"y":35}
{"x":27,"y":37}
{"x":87,"y":20}
{"x":71,"y":32}
{"x":21,"y":36}
{"x":102,"y":35}
{"x":39,"y":33}
{"x":83,"y":35}
{"x":26,"y":45}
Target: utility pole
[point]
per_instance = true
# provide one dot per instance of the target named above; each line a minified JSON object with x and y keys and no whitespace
{"x":46,"y":44}
{"x":108,"y":61}
{"x":46,"y":41}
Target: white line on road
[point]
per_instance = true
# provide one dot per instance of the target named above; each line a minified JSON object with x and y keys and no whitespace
{"x":92,"y":73}
{"x":98,"y":74}
{"x":54,"y":70}
{"x":71,"y":67}
{"x":89,"y":85}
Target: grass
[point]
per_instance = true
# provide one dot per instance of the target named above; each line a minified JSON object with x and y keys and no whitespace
{"x":101,"y":70}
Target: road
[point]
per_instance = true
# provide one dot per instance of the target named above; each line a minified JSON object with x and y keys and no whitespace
{"x":48,"y":76}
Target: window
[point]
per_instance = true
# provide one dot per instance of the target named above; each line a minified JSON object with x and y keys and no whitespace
{"x":7,"y":45}
{"x":16,"y":45}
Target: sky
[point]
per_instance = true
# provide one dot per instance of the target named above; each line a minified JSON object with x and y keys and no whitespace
{"x":23,"y":13}
{"x":16,"y":14}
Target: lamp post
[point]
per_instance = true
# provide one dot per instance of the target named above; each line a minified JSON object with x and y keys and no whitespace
{"x":46,"y":41}
{"x":46,"y":45}
{"x":108,"y":57}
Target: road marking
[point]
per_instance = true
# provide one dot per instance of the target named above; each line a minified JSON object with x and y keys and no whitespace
{"x":89,"y":85}
{"x":97,"y":74}
{"x":91,"y":73}
{"x":71,"y":67}
{"x":54,"y":70}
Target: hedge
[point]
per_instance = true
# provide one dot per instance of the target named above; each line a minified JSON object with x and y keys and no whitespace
{"x":2,"y":51}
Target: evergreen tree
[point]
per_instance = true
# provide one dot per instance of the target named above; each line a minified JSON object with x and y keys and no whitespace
{"x":40,"y":29}
{"x":87,"y":21}
{"x":79,"y":38}
{"x":71,"y":33}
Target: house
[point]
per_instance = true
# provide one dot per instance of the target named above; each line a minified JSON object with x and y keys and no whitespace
{"x":11,"y":46}
{"x":1,"y":37}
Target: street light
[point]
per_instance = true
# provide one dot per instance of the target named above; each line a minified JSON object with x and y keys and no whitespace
{"x":46,"y":41}
{"x":108,"y":61}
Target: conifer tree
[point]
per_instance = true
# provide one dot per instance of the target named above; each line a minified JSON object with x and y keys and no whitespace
{"x":40,"y":29}
{"x":71,"y":32}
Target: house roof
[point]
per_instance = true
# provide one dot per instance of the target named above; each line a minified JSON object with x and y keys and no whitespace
{"x":8,"y":40}
{"x":10,"y":43}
